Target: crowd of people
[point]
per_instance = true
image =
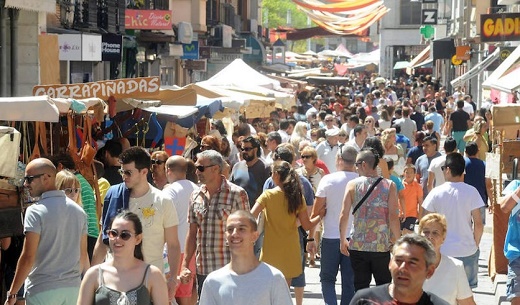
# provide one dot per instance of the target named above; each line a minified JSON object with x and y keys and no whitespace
{"x":343,"y":178}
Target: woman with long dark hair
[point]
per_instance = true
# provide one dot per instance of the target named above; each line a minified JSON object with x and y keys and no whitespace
{"x":282,"y":208}
{"x":125,"y":279}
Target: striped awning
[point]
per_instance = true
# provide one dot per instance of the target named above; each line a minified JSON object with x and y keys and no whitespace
{"x":44,"y":6}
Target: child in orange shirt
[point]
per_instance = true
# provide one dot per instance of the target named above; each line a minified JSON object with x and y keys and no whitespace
{"x":413,"y":197}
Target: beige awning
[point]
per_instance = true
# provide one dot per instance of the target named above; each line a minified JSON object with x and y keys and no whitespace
{"x":421,"y":57}
{"x":44,"y":6}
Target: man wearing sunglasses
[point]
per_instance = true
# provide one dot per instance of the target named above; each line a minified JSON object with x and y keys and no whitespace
{"x":210,"y":206}
{"x":55,"y":248}
{"x":155,"y":210}
{"x":251,"y":172}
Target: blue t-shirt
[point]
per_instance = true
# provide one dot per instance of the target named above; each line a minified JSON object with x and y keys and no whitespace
{"x":512,"y":241}
{"x":308,"y":192}
{"x":402,"y":139}
{"x":414,"y":153}
{"x":398,"y":183}
{"x":476,"y":176}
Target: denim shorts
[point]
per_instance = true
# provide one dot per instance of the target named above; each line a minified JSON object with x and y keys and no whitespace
{"x":513,"y":279}
{"x":299,"y":281}
{"x":67,"y":295}
{"x":471,"y":268}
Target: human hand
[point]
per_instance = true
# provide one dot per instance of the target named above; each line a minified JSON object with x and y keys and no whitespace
{"x":344,"y":247}
{"x":172,"y":287}
{"x":185,"y":275}
{"x":312,"y":248}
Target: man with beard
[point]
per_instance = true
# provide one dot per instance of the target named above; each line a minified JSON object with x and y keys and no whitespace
{"x":210,"y":206}
{"x":251,"y":172}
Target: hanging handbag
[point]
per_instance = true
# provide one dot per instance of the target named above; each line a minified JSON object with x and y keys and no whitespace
{"x":369,"y":191}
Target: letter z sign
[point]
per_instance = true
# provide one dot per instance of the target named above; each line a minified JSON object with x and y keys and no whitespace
{"x":429,"y":16}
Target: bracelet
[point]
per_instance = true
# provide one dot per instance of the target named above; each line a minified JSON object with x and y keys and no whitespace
{"x":11,"y":296}
{"x":515,"y":197}
{"x":310,"y":239}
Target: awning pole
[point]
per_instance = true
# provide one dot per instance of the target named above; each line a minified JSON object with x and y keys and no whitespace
{"x":13,"y":16}
{"x":3,"y":49}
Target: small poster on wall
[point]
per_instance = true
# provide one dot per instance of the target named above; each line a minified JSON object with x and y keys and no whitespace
{"x":174,"y":146}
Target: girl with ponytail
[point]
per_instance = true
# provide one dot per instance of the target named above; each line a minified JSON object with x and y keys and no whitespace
{"x":282,"y":208}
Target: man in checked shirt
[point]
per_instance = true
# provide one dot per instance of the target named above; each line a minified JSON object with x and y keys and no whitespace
{"x":210,"y":206}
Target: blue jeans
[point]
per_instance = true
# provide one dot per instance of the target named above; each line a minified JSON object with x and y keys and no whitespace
{"x":331,"y":261}
{"x":471,"y":268}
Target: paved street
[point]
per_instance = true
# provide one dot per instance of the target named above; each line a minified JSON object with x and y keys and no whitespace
{"x":484,"y":294}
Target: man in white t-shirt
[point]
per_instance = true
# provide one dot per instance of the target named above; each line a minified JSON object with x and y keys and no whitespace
{"x":330,"y":193}
{"x":468,"y":107}
{"x":179,"y":190}
{"x":435,"y":173}
{"x":155,"y":210}
{"x":460,"y":203}
{"x":328,"y":149}
{"x":244,"y":280}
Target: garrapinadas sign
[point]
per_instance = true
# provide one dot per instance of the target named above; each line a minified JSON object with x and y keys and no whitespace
{"x":142,"y":87}
{"x":500,"y":27}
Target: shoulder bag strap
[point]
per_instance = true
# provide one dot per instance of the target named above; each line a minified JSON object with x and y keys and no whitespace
{"x":369,"y":191}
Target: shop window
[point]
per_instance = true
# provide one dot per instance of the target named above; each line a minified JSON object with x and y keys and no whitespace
{"x":410,"y":12}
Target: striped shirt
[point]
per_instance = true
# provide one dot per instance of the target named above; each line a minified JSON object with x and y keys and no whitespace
{"x":88,"y":200}
{"x":210,"y":213}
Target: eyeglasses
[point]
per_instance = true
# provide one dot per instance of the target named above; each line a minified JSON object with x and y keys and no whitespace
{"x":69,"y":190}
{"x":127,"y":172}
{"x":29,"y":179}
{"x":202,"y":168}
{"x":247,"y":149}
{"x":306,"y":157}
{"x":124,"y":235}
{"x":157,"y":162}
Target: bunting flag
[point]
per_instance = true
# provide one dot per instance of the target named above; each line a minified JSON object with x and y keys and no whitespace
{"x":343,"y":17}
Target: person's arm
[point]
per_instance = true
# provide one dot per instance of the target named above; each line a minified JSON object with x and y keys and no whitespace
{"x":157,"y":287}
{"x":489,"y":192}
{"x":402,"y":204}
{"x":393,"y":213}
{"x":319,"y":204}
{"x":431,"y":181}
{"x":478,"y":226}
{"x":88,"y":287}
{"x":174,"y":256}
{"x":84,"y":262}
{"x":306,"y":222}
{"x":25,"y":263}
{"x":508,"y":202}
{"x":344,"y":216}
{"x":189,"y":251}
{"x":100,"y":251}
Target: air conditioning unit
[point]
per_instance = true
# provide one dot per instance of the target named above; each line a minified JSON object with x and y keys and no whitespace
{"x":238,"y":43}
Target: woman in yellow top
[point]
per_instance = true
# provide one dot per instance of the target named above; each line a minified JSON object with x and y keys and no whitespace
{"x":282,"y":208}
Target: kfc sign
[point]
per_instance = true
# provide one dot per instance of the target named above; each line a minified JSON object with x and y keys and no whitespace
{"x":148,"y":20}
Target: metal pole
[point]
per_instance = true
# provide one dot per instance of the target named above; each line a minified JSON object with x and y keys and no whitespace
{"x":13,"y":14}
{"x":3,"y":49}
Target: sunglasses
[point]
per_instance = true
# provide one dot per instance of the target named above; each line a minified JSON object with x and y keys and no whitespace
{"x":124,"y":235}
{"x":247,"y":149}
{"x":202,"y":168}
{"x":306,"y":157}
{"x":126,"y":172}
{"x":29,"y":179}
{"x":157,"y":162}
{"x":443,"y":167}
{"x":69,"y":190}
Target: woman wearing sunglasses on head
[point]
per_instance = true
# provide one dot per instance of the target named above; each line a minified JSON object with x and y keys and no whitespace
{"x":125,"y":279}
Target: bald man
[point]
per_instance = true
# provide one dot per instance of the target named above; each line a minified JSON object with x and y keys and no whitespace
{"x":55,"y":248}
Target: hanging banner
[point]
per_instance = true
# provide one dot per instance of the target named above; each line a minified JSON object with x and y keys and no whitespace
{"x":174,"y":146}
{"x":70,"y":47}
{"x":90,"y":47}
{"x":148,"y":20}
{"x":44,"y":6}
{"x":111,"y":47}
{"x":142,"y":87}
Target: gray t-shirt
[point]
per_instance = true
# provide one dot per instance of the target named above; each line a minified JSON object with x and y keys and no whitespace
{"x":61,"y":223}
{"x":263,"y":286}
